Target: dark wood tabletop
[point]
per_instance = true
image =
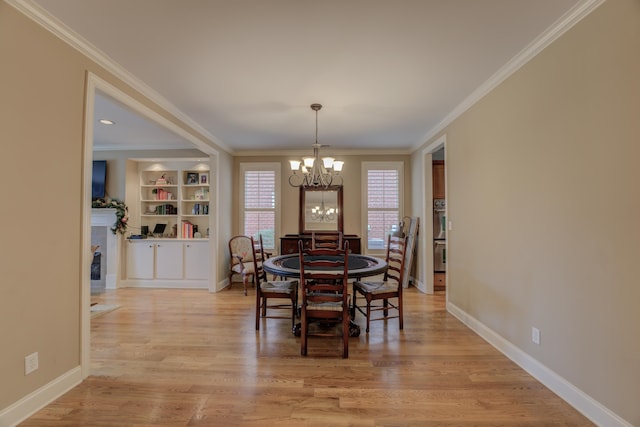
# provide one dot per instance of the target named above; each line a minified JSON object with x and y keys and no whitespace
{"x":359,"y":265}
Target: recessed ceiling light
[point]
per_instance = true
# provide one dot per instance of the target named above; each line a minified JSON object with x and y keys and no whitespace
{"x":107,"y":122}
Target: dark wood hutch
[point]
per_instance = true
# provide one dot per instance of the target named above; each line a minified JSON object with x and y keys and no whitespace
{"x":289,"y":243}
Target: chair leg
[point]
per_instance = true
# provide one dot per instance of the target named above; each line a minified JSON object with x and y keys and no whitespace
{"x":294,"y":302}
{"x":245,"y":278}
{"x":385,"y":304}
{"x":400,"y":313}
{"x":368,"y":311}
{"x":353,"y":304}
{"x":230,"y":281}
{"x":303,"y":335}
{"x":257,"y":310}
{"x":345,"y":336}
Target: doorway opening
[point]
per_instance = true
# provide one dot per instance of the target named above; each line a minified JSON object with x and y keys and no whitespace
{"x":96,"y":87}
{"x":435,"y":212}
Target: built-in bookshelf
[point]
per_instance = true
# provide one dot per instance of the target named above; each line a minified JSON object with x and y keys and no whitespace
{"x":194,"y":203}
{"x":174,"y":199}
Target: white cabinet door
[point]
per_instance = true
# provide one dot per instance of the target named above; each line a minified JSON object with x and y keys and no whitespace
{"x":140,"y":256}
{"x":196,"y":259}
{"x":169,"y":260}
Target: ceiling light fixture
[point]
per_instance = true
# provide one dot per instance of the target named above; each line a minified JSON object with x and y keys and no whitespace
{"x":107,"y":122}
{"x":316,"y":172}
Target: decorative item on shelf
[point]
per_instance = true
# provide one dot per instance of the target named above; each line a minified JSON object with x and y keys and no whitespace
{"x":120,"y":226}
{"x":316,"y":172}
{"x":204,"y":178}
{"x":192,"y":178}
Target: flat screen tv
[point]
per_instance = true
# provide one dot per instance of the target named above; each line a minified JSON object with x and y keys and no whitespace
{"x":99,"y":179}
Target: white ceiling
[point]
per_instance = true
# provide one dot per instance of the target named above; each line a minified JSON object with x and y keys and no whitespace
{"x":387,"y":72}
{"x":130,"y":130}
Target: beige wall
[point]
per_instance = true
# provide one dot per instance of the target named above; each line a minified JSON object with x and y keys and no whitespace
{"x":226,"y":214}
{"x":41,"y":166}
{"x":543,"y":185}
{"x":42,"y":106}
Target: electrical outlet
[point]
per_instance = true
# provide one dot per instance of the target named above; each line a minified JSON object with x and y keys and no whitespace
{"x":30,"y":363}
{"x":535,"y":335}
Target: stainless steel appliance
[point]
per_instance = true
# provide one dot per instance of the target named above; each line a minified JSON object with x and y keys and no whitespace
{"x":439,"y":235}
{"x":439,"y":219}
{"x":439,"y":256}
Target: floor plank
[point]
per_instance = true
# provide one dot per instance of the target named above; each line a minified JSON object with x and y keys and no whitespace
{"x":172,"y":357}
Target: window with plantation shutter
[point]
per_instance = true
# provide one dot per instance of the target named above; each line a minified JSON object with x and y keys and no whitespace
{"x":259,"y":201}
{"x":383,"y":203}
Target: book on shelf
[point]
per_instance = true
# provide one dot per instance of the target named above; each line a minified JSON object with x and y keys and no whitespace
{"x":200,"y":209}
{"x":187,"y":230}
{"x":162,"y":194}
{"x":167,"y":209}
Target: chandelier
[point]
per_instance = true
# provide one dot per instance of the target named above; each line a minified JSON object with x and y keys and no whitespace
{"x":315,"y":172}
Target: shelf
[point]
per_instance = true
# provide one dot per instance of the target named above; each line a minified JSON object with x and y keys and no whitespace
{"x":185,"y":195}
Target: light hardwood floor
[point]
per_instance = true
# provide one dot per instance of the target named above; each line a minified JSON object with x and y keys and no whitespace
{"x":191,"y":358}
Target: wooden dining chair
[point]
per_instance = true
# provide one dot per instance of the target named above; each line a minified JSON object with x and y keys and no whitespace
{"x":244,"y":261}
{"x":323,"y":284}
{"x":274,"y":289}
{"x":389,"y":290}
{"x":326,"y":240}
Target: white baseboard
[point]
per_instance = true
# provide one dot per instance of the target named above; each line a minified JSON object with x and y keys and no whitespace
{"x":223,"y":284}
{"x":33,"y":402}
{"x":111,"y":281}
{"x":422,"y":287}
{"x":585,"y":404}
{"x":165,"y":284}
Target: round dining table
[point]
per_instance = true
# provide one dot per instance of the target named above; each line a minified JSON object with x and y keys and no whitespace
{"x":359,"y":266}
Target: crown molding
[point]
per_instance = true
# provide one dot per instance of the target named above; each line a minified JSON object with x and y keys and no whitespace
{"x":298,"y":152}
{"x":41,"y":17}
{"x":551,"y":34}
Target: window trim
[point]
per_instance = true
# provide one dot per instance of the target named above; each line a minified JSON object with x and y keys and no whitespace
{"x":261,"y":166}
{"x":366,"y":167}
